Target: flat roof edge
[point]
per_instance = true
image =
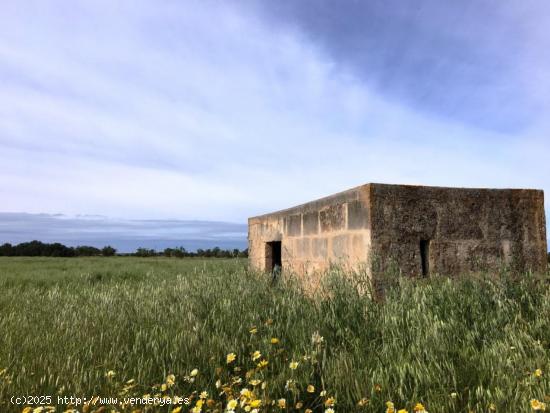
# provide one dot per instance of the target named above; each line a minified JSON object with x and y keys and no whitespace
{"x":376,"y":184}
{"x":469,"y":188}
{"x":305,"y":204}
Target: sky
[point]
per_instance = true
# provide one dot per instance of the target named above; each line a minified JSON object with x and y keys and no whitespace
{"x":126,"y":235}
{"x":173,"y":113}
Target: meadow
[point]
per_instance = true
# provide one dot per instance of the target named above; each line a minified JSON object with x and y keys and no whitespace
{"x":226,"y":339}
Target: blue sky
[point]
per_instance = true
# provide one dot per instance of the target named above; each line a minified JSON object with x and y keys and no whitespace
{"x":216,"y":111}
{"x":125,"y":234}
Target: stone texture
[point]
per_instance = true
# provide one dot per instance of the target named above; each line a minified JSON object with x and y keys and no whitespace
{"x":357,"y":215}
{"x":293,"y":225}
{"x":303,"y":246}
{"x":311,"y":223}
{"x":320,"y":248}
{"x":380,"y":227}
{"x":332,"y":218}
{"x":340,"y":248}
{"x":467,"y":228}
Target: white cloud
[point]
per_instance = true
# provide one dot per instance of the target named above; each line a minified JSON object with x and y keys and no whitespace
{"x":200,"y":110}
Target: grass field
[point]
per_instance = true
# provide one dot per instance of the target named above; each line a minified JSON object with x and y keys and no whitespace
{"x":120,"y":326}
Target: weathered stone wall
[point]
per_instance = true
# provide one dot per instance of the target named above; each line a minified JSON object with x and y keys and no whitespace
{"x":314,"y":235}
{"x":467,"y":229}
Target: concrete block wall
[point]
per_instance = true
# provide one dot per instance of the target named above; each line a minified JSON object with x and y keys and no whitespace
{"x":468,"y":230}
{"x":314,"y":235}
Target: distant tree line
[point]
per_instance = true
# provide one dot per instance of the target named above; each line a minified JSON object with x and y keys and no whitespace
{"x":181,"y":252}
{"x":41,"y":249}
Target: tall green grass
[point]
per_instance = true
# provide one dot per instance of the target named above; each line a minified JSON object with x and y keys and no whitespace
{"x":471,"y":343}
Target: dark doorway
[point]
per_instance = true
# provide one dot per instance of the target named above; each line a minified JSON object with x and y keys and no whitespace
{"x":425,"y":256}
{"x":273,"y":259}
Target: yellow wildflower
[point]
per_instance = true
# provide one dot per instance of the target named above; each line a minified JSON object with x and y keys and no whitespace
{"x":323,"y":393}
{"x":454,"y":395}
{"x":253,"y":330}
{"x":281,"y":403}
{"x":537,"y":405}
{"x":194,"y":372}
{"x":27,"y":410}
{"x":203,"y":395}
{"x":170,"y":380}
{"x":255,"y":382}
{"x":363,"y":402}
{"x":317,"y":339}
{"x":310,"y":388}
{"x":290,"y":384}
{"x":330,"y":402}
{"x":255,"y":403}
{"x":246,"y":393}
{"x":230,"y":357}
{"x":299,"y":405}
{"x":293,"y":365}
{"x":329,"y":410}
{"x":402,"y":411}
{"x":274,"y":340}
{"x":390,"y":408}
{"x":263,"y":363}
{"x":110,"y":374}
{"x":231,"y":405}
{"x":176,"y":410}
{"x":492,"y":407}
{"x":256,"y":355}
{"x":163,"y":387}
{"x":419,"y":408}
{"x":538,"y":373}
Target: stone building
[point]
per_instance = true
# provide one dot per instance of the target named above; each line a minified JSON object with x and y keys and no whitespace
{"x":416,"y":230}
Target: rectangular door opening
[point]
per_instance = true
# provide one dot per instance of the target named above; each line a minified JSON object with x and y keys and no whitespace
{"x":273,"y":259}
{"x":425,"y":256}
